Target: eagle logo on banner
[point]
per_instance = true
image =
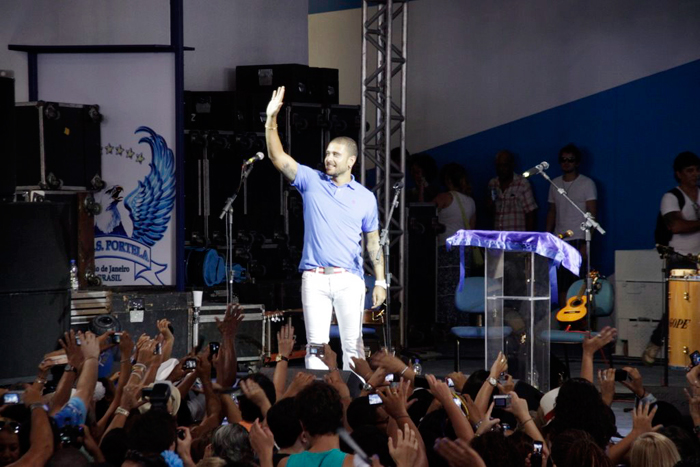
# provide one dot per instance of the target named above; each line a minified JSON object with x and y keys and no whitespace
{"x":128,"y":230}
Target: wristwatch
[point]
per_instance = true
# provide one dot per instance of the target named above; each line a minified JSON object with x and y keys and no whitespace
{"x":70,"y":367}
{"x":281,"y":357}
{"x":367,"y":387}
{"x":492,"y":381}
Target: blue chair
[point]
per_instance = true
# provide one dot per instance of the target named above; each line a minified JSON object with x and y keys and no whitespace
{"x":604,"y":297}
{"x":471,"y":300}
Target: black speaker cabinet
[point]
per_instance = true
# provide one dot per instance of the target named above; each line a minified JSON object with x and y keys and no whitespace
{"x":8,"y":174}
{"x":210,"y":110}
{"x":37,"y":240}
{"x":58,"y":146}
{"x":32,"y":322}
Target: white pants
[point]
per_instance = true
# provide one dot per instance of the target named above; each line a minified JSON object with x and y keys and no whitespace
{"x":320,"y":295}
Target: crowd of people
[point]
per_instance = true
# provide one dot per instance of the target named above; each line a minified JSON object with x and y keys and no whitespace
{"x":152,"y":409}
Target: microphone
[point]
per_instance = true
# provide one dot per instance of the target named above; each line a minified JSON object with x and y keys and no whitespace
{"x":398,"y":185}
{"x":536,"y":169}
{"x":258,"y":157}
{"x":567,"y":234}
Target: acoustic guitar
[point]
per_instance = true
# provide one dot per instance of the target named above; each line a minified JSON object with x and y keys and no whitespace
{"x":576,"y":307}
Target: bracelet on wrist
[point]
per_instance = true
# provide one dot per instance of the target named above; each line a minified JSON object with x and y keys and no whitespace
{"x":528,"y":420}
{"x":403,"y":371}
{"x":89,"y":358}
{"x":270,"y":127}
{"x":330,"y":370}
{"x":35,"y":405}
{"x":381,"y":284}
{"x":121,"y":411}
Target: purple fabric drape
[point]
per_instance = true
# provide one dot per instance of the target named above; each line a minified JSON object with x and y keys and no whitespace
{"x":544,"y":244}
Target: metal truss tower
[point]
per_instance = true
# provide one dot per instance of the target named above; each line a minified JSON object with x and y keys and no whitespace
{"x":383,"y":108}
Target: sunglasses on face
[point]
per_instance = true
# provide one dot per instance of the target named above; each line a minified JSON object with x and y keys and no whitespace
{"x":563,"y":160}
{"x":12,"y":426}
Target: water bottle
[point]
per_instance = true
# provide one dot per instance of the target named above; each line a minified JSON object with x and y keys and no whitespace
{"x":417,"y":368}
{"x":73,"y":275}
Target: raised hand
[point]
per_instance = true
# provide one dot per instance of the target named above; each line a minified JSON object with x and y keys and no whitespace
{"x":232,"y":319}
{"x":487,"y":423}
{"x":300,"y":381}
{"x":73,"y":352}
{"x":592,"y":344}
{"x":500,"y":365}
{"x":406,"y":450}
{"x":254,"y":392}
{"x":361,"y":367}
{"x":390,"y":363}
{"x":642,"y":417}
{"x":262,"y":441}
{"x":508,"y":386}
{"x":606,"y":379}
{"x":459,"y":378}
{"x":285,"y":340}
{"x":694,"y":404}
{"x":330,"y":358}
{"x":394,"y":401}
{"x":634,"y":383}
{"x":275,"y":104}
{"x":475,"y":413}
{"x":518,"y":407}
{"x":90,"y":346}
{"x":440,"y":390}
{"x":130,"y":396}
{"x":184,"y":445}
{"x":335,"y":380}
{"x":164,"y":329}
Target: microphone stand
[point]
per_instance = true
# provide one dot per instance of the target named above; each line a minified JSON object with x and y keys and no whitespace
{"x":384,"y":245}
{"x":227,"y":212}
{"x":587,"y":225}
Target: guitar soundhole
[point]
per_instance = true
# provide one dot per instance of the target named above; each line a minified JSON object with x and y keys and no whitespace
{"x":576,"y":303}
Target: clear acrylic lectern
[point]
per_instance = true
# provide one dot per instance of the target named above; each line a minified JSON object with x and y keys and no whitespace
{"x":518,"y":267}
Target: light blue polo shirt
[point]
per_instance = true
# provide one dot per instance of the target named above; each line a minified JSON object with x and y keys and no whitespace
{"x":334,"y":219}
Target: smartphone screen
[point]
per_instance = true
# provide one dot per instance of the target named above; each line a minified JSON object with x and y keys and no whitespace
{"x":389,"y":378}
{"x":695,"y":358}
{"x":10,"y":398}
{"x":457,"y":402}
{"x":374,"y":399}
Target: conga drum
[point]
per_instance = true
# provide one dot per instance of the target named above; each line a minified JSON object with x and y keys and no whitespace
{"x":684,"y":318}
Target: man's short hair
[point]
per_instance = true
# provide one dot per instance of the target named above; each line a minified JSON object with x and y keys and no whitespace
{"x":571,"y":149}
{"x":685,"y":159}
{"x":349,"y":143}
{"x":283,"y":421}
{"x":319,"y":408}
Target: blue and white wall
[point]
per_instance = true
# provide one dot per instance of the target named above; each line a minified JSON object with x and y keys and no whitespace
{"x":620,"y":79}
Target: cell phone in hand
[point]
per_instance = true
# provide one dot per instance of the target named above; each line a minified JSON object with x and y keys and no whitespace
{"x":449,"y":382}
{"x":501,"y":401}
{"x":11,"y":398}
{"x":536,"y":456}
{"x":158,"y":349}
{"x":214,"y":348}
{"x":190,"y":364}
{"x":695,"y":359}
{"x":421,"y":382}
{"x":621,"y":375}
{"x":457,"y":401}
{"x":182,"y":434}
{"x":505,"y":427}
{"x":389,"y":378}
{"x":374,"y":399}
{"x":77,"y":340}
{"x":316,"y":349}
{"x":116,"y":338}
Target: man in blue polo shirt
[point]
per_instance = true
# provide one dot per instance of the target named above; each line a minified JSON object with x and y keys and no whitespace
{"x":337,"y":210}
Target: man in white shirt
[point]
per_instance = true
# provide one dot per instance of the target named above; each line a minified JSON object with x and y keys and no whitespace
{"x":562,"y":216}
{"x":682,"y":218}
